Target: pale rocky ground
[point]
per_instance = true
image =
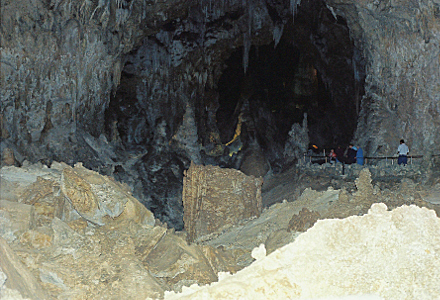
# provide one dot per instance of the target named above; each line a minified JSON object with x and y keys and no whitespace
{"x":382,"y":255}
{"x":70,"y":233}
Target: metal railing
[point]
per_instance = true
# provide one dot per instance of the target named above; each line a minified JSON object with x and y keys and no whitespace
{"x":391,"y":158}
{"x":387,"y":159}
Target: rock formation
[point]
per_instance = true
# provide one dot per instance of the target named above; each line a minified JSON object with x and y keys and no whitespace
{"x":349,"y":257}
{"x":105,"y":83}
{"x":298,"y":142}
{"x":74,"y":234}
{"x":399,"y":43}
{"x":215,"y":199}
{"x":136,"y":90}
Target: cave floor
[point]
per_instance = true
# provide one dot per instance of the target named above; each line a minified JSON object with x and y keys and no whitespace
{"x":291,"y":183}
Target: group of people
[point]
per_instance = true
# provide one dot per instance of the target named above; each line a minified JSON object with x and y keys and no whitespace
{"x":353,"y":154}
{"x":350,"y":155}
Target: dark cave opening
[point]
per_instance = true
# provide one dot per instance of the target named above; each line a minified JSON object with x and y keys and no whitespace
{"x":278,"y":83}
{"x":266,"y":85}
{"x":314,"y":69}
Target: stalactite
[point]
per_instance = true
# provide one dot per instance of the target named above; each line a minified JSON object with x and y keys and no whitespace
{"x":247,"y":35}
{"x":277,"y":33}
{"x":294,"y":7}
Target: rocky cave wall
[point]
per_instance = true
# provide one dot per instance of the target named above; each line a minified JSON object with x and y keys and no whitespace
{"x":62,"y":62}
{"x":400,"y":41}
{"x":165,"y":108}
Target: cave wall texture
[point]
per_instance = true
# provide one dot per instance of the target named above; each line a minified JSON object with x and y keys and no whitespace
{"x":400,"y":41}
{"x":60,"y":62}
{"x":132,"y":85}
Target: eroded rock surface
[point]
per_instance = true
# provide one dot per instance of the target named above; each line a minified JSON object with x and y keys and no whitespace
{"x":72,"y":257}
{"x":81,"y":235}
{"x":338,"y":258}
{"x":95,"y":197}
{"x":400,"y":42}
{"x":215,"y":199}
{"x":19,"y":277}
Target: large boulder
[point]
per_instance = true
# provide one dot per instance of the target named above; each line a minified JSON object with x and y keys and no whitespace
{"x":99,"y":199}
{"x":215,"y":199}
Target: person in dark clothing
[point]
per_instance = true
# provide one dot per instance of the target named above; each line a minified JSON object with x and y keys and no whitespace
{"x":351,"y":154}
{"x":339,"y":154}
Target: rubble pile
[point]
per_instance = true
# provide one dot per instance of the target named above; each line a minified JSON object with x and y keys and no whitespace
{"x":70,"y":233}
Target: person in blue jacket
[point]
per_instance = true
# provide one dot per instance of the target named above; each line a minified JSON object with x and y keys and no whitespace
{"x":360,"y":156}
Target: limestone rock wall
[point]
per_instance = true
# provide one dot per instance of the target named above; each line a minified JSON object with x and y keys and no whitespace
{"x":60,"y":62}
{"x":59,"y":65}
{"x":167,"y":101}
{"x":172,"y":75}
{"x":400,"y":42}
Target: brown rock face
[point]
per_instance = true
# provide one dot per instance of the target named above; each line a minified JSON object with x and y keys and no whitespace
{"x":215,"y":199}
{"x":303,"y":220}
{"x":96,"y":198}
{"x":175,"y":263}
{"x":55,"y":253}
{"x":79,"y":193}
{"x":8,"y":158}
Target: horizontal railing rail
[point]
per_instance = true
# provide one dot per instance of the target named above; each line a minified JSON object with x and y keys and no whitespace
{"x":391,"y":158}
{"x":386,"y":158}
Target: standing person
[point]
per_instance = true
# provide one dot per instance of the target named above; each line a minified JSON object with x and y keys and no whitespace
{"x":402,"y":151}
{"x":339,"y":154}
{"x":360,"y":156}
{"x":351,"y":154}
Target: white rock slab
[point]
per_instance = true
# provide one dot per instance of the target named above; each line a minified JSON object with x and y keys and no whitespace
{"x":384,"y":254}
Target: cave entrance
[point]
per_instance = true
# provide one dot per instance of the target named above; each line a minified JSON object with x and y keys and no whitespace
{"x":280,"y":86}
{"x":315,"y":69}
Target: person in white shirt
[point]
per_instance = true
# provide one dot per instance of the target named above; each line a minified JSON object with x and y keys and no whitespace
{"x":402,"y":151}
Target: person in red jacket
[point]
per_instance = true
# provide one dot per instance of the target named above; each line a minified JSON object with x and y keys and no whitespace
{"x":332,"y":156}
